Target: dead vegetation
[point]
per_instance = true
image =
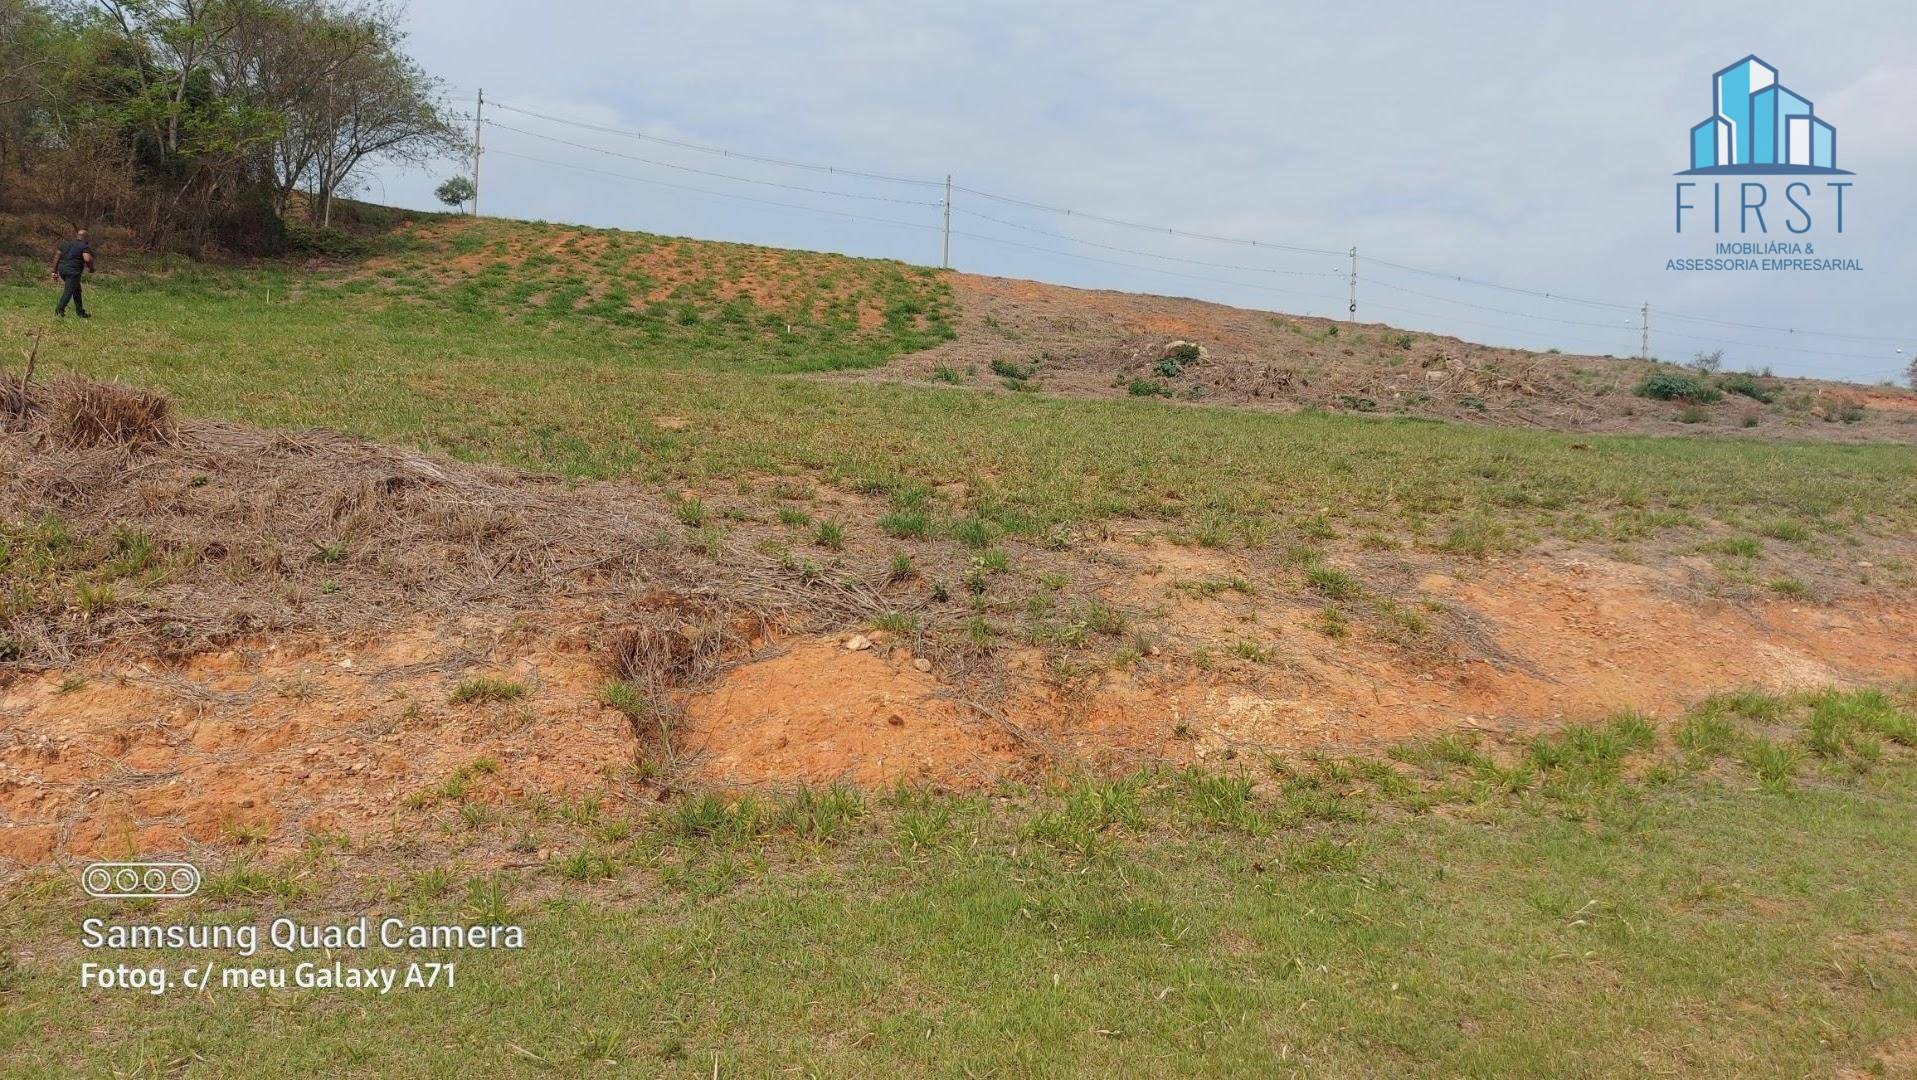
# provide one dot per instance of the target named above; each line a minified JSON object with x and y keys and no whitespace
{"x":236,"y":531}
{"x":1032,"y":336}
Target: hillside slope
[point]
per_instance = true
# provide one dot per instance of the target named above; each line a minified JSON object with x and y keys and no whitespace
{"x":1028,"y":579}
{"x":1054,"y":339}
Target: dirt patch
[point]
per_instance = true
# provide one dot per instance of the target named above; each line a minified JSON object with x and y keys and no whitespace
{"x":821,"y":713}
{"x":276,"y":742}
{"x":219,"y":635}
{"x":1093,"y":343}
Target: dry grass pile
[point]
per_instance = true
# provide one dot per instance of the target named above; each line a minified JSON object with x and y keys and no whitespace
{"x":125,"y":525}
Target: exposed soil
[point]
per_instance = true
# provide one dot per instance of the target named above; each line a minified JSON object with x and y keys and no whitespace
{"x":276,"y":658}
{"x":640,"y":270}
{"x":302,"y":735}
{"x":1093,"y":343}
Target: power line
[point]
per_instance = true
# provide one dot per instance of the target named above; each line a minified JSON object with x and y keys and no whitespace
{"x":1787,"y":329}
{"x":1166,"y":230}
{"x":1146,"y":254}
{"x":1548,"y":295}
{"x":882,"y":221}
{"x":1500,"y":311}
{"x":708,"y":172}
{"x":722,"y":151}
{"x":827,"y":211}
{"x":1772,"y":348}
{"x":1462,"y":279}
{"x":1135,"y":266}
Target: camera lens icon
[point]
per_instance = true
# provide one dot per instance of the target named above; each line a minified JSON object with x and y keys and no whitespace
{"x":140,"y":881}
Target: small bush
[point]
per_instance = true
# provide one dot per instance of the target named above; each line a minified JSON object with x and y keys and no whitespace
{"x":1670,"y":386}
{"x":1749,"y":385}
{"x":1006,"y":369}
{"x":1147,"y":388}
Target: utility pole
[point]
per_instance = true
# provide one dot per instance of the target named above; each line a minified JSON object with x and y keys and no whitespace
{"x":1644,"y":331}
{"x":945,"y":250}
{"x":1351,"y":309}
{"x":479,"y":119}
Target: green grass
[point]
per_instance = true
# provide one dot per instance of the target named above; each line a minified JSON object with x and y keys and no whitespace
{"x":487,"y":689}
{"x":1333,"y":916}
{"x":575,"y":393}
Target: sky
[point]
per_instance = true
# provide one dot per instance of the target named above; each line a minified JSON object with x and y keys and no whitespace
{"x":1530,"y":145}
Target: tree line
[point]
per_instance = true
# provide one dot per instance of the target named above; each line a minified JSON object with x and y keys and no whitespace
{"x":207,"y":122}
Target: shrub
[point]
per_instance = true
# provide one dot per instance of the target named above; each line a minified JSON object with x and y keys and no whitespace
{"x":1670,"y":386}
{"x":1172,"y":364}
{"x":1008,"y":370}
{"x":1749,"y":385}
{"x":1147,"y":388}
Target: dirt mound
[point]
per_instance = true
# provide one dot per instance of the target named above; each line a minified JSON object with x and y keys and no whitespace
{"x":223,"y":532}
{"x":1029,"y":335}
{"x":215,"y":635}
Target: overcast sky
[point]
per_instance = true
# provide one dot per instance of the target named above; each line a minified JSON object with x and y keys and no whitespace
{"x":1525,"y":143}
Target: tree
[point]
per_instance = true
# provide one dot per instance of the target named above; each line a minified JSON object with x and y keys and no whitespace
{"x":1910,"y":375}
{"x":381,"y":106}
{"x":198,"y":120}
{"x":1707,"y":363}
{"x":455,"y":192}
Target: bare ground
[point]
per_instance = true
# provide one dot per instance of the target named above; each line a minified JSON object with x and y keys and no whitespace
{"x":282,"y":664}
{"x":1093,"y":343}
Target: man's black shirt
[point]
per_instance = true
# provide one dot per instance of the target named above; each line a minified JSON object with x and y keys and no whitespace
{"x":73,"y":255}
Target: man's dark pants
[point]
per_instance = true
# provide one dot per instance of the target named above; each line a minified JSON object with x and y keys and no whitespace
{"x":72,"y":294}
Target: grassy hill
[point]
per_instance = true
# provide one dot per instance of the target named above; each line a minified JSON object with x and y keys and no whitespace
{"x":1196,"y":736}
{"x":593,"y":354}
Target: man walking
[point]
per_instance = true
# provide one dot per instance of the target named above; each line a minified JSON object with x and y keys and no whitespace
{"x":74,"y":259}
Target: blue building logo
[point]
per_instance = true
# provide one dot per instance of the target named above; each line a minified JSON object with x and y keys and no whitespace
{"x":1760,"y":127}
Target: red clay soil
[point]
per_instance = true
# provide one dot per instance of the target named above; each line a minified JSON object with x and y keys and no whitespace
{"x":308,"y":736}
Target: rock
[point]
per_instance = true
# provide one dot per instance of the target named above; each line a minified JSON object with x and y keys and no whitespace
{"x":857,"y":643}
{"x":895,"y":720}
{"x":1173,"y":348}
{"x":922,"y":664}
